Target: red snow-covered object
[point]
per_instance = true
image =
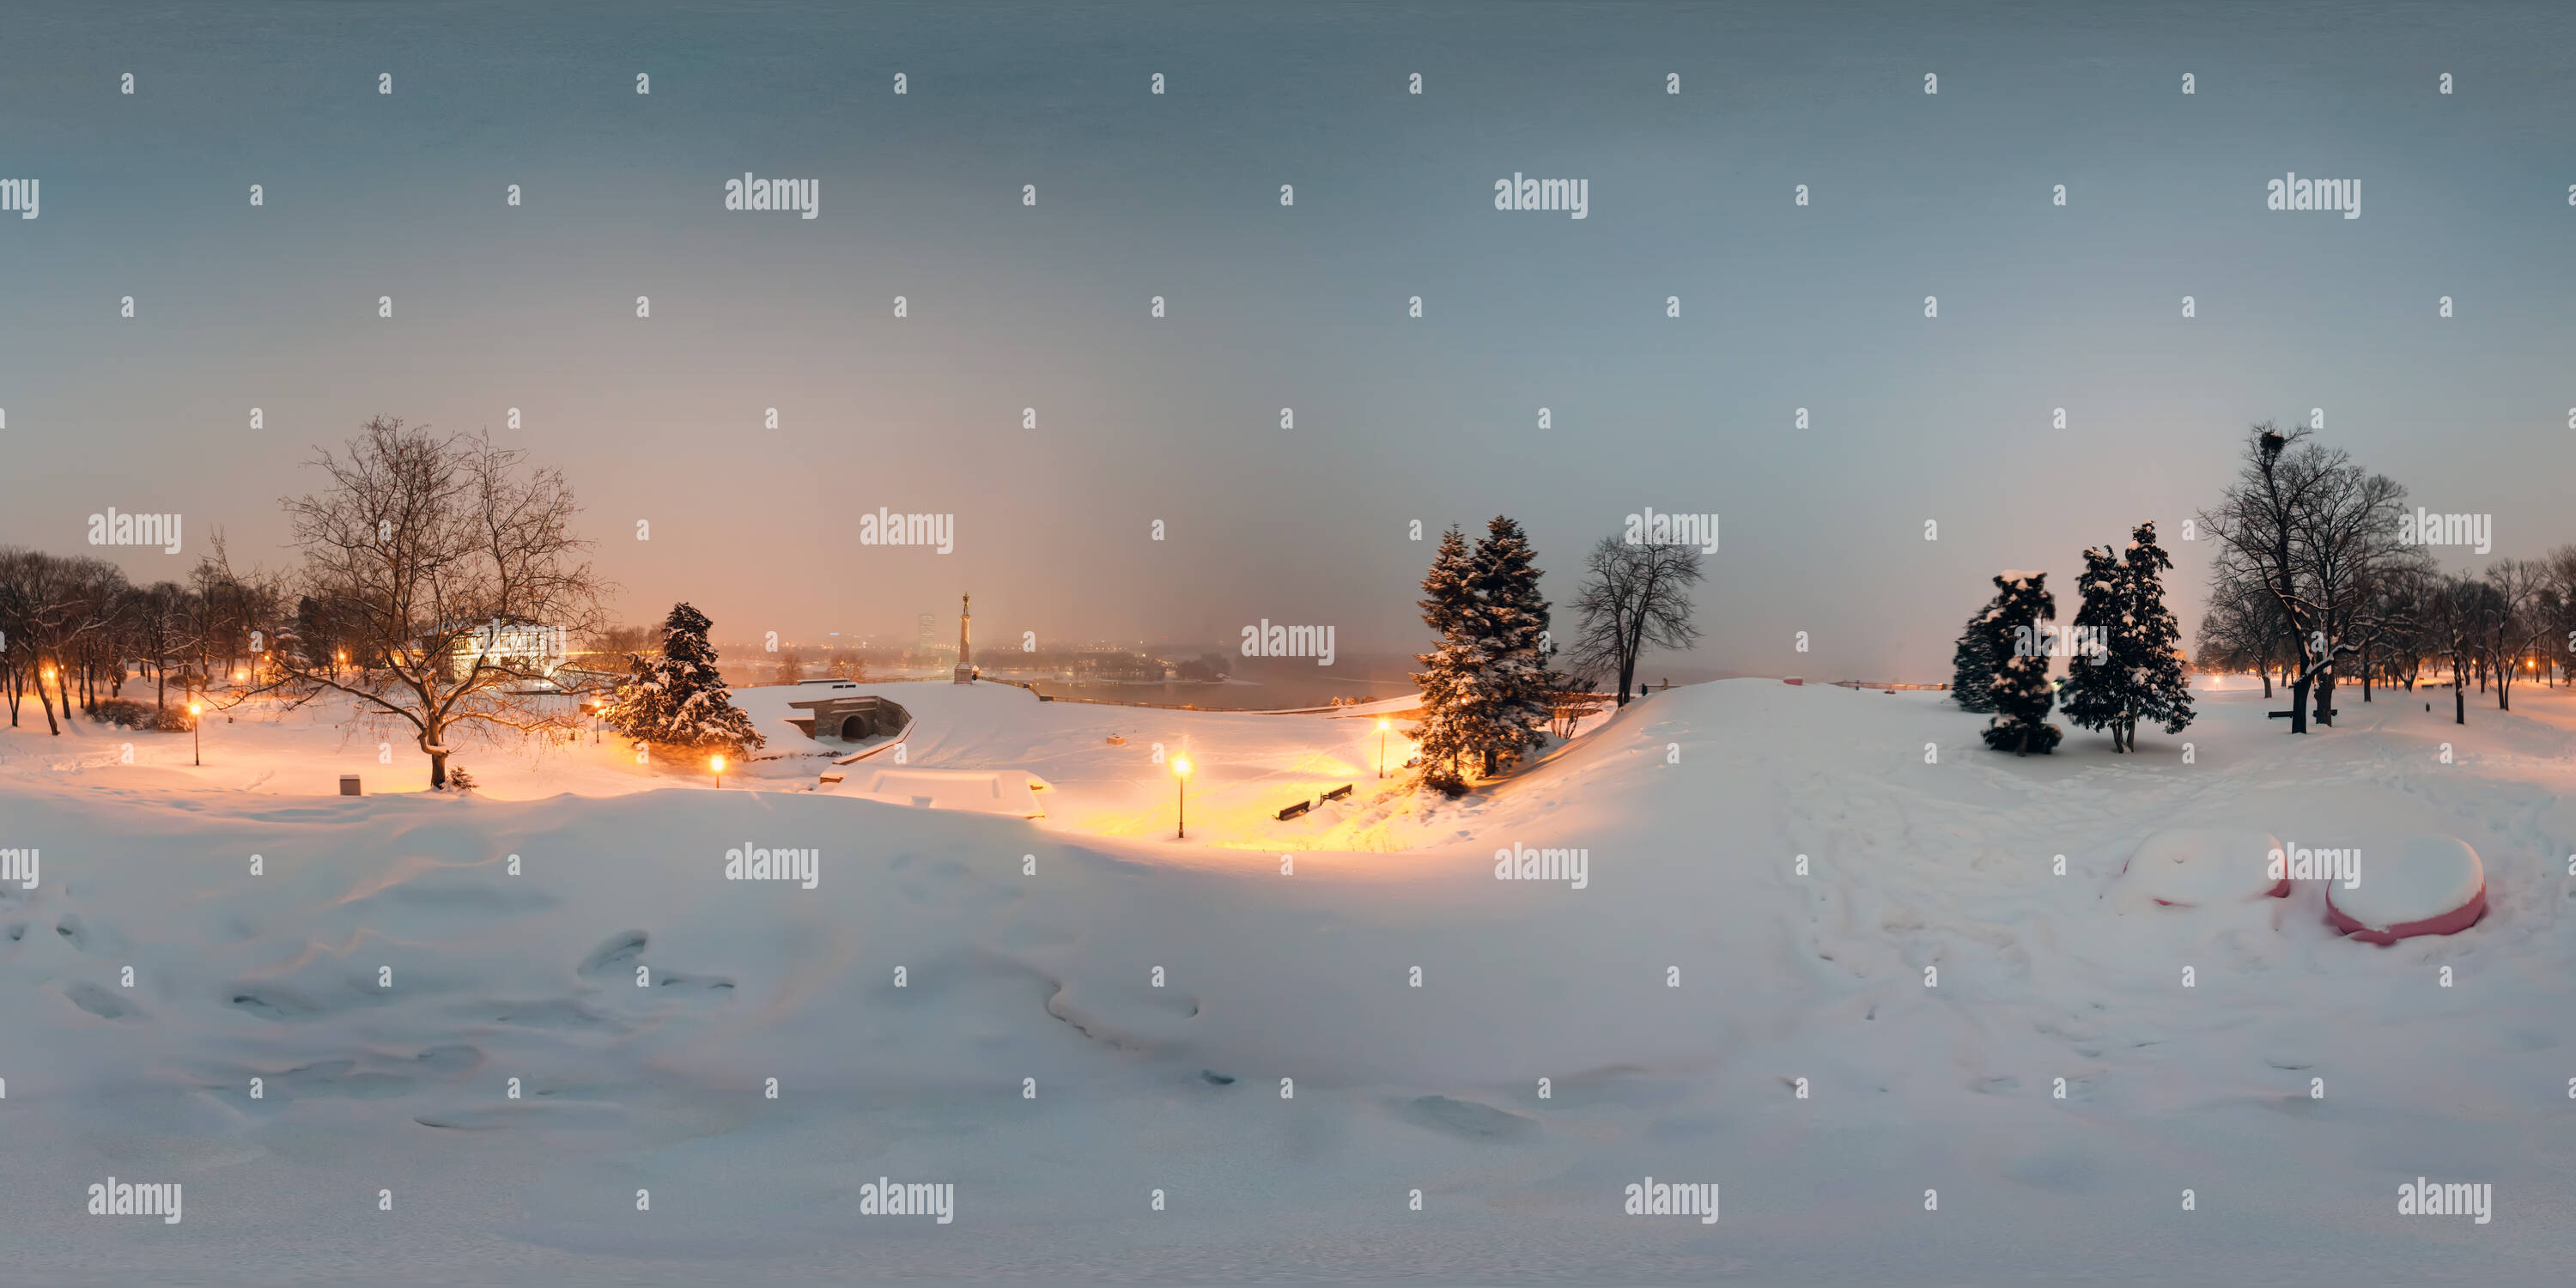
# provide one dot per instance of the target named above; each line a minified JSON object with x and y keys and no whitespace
{"x":2435,"y":886}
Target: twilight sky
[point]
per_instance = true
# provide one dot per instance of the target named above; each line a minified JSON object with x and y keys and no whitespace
{"x":1396,"y":419}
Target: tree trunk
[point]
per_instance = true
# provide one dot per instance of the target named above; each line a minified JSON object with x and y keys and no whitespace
{"x":48,"y":704}
{"x":2266,"y":669}
{"x":2299,"y":685}
{"x":433,"y":735}
{"x":2459,"y":698}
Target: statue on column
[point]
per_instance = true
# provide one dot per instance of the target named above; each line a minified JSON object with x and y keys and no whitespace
{"x":965,"y":660}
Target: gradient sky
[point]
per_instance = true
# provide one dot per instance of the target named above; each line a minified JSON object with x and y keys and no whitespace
{"x":1396,"y":419}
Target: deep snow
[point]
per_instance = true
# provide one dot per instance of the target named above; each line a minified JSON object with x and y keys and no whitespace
{"x":1692,"y":808}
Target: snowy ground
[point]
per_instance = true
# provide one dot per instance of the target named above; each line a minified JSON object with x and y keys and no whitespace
{"x":1691,"y":808}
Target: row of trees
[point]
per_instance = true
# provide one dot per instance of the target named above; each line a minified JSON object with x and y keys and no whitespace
{"x":2316,"y":576}
{"x":2123,"y":666}
{"x":1490,"y":690}
{"x":839,"y":664}
{"x":413,"y":557}
{"x":70,"y":627}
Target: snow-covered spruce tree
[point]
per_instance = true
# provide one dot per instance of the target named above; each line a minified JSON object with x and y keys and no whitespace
{"x":1972,"y":663}
{"x":1451,"y":665}
{"x":679,"y":700}
{"x":2144,"y":650}
{"x":2022,"y":692}
{"x":1508,"y":701}
{"x":2097,"y":695}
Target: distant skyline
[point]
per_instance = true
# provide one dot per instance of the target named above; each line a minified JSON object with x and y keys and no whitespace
{"x":1010,"y":306}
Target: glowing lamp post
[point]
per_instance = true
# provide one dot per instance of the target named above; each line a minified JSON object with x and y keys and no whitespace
{"x":1181,"y":793}
{"x":1382,"y":727}
{"x":718,"y":762}
{"x":196,"y":744}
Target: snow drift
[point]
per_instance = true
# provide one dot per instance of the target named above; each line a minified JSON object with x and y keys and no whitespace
{"x":1806,"y":965}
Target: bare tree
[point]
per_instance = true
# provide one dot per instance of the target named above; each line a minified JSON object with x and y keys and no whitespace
{"x":161,"y":634}
{"x":2349,"y":545}
{"x":2345,"y":540}
{"x":434,"y":549}
{"x":2458,"y":612}
{"x":2561,"y":563}
{"x":2256,"y":525}
{"x":1634,"y":597}
{"x":2242,"y":627}
{"x":2514,"y":618}
{"x":48,"y":598}
{"x":2402,"y":604}
{"x":22,"y":608}
{"x":2308,"y":527}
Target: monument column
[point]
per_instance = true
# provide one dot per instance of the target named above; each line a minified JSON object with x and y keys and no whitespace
{"x":965,"y":659}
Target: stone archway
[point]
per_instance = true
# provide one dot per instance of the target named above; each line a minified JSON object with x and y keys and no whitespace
{"x":852,"y":717}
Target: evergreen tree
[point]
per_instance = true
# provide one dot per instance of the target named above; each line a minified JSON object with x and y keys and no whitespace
{"x":680,"y":700}
{"x":2096,"y":695}
{"x":1972,"y":663}
{"x":1508,"y":703}
{"x":2149,"y":665}
{"x":1451,"y":665}
{"x":2022,"y":692}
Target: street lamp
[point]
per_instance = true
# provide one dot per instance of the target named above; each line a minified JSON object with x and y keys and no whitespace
{"x":1382,"y":727}
{"x":718,"y":762}
{"x":1181,"y":793}
{"x":196,"y":744}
